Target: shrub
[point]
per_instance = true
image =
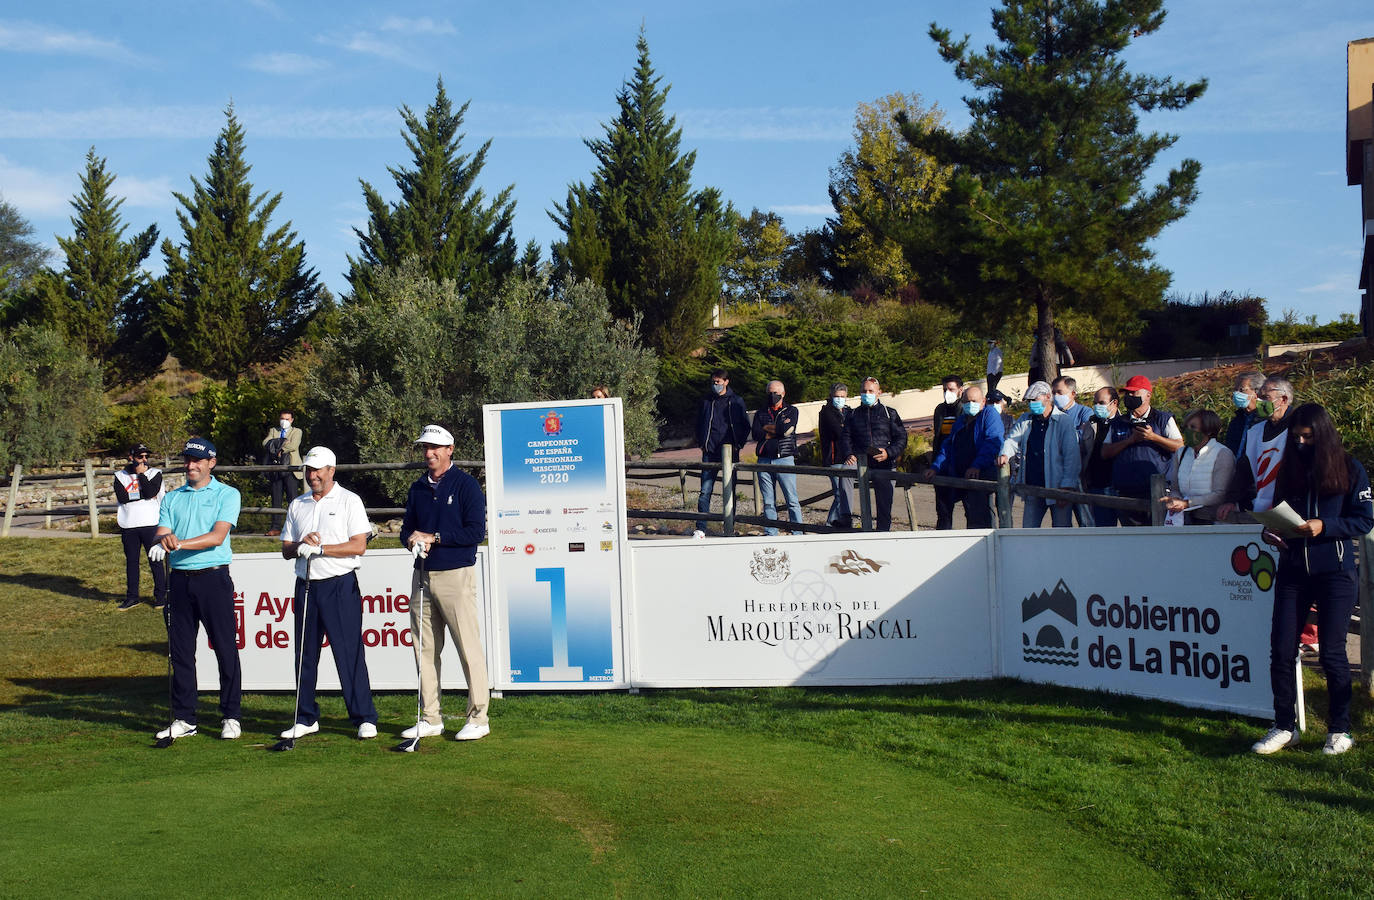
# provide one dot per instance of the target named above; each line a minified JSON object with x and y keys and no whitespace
{"x":50,"y":398}
{"x":157,"y":420}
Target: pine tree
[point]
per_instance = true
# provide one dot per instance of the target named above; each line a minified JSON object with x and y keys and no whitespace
{"x":235,"y":293}
{"x":21,"y":257}
{"x":441,"y":218}
{"x":99,"y":300}
{"x":639,"y":230}
{"x":1049,"y":207}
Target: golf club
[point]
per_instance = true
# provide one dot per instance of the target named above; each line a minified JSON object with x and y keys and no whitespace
{"x":409,"y":745}
{"x":289,"y":743}
{"x":164,"y":742}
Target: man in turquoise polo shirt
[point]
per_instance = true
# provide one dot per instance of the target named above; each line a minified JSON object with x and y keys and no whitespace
{"x":193,"y":534}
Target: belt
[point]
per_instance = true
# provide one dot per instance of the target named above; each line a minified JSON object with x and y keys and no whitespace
{"x":189,"y":573}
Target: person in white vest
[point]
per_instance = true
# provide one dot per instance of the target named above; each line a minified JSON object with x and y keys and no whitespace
{"x":1257,"y":469}
{"x":1199,"y":475}
{"x":138,"y":488}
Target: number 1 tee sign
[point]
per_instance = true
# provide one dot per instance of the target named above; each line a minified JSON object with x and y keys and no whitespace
{"x":556,"y":527}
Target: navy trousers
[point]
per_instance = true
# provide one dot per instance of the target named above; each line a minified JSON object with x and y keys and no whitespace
{"x":1294,"y":593}
{"x":136,"y":543}
{"x":334,"y":610}
{"x":203,"y":598}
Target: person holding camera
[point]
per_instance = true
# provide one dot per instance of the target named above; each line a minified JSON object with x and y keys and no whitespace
{"x":1140,"y":442}
{"x":879,"y":433}
{"x":138,"y":489}
{"x":282,"y":446}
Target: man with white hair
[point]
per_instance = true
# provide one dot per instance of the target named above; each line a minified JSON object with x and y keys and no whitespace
{"x":1047,"y":443}
{"x":1257,"y":467}
{"x":326,"y":532}
{"x":445,"y":520}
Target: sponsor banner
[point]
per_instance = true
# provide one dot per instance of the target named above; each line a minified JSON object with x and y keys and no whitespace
{"x":264,"y":605}
{"x":1151,"y":612}
{"x":819,"y":610}
{"x":556,"y":527}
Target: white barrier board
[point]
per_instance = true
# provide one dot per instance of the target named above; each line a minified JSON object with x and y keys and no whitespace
{"x":818,"y":610}
{"x":1178,"y":614}
{"x":263,"y":606}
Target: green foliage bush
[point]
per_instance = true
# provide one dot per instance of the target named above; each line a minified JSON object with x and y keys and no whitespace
{"x":157,"y":420}
{"x":50,"y":398}
{"x":417,"y":352}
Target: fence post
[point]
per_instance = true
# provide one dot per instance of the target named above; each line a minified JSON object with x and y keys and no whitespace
{"x":682,"y":484}
{"x":1004,"y":496}
{"x":1366,"y":599}
{"x":865,"y":499}
{"x":1157,"y":488}
{"x":727,"y":489}
{"x":14,"y":498}
{"x":47,"y":504}
{"x":910,"y":505}
{"x":90,"y":499}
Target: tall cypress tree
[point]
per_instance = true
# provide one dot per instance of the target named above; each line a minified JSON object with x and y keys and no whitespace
{"x":441,"y":218}
{"x":235,"y":292}
{"x":1049,"y":208}
{"x":639,"y":230}
{"x":99,"y":300}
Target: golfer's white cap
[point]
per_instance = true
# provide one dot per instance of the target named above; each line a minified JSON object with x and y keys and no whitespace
{"x":318,"y":458}
{"x":435,"y":434}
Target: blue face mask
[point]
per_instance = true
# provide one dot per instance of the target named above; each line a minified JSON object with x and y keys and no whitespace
{"x":717,"y":388}
{"x":838,"y":401}
{"x":1240,"y":400}
{"x":1102,"y":411}
{"x":868,"y":399}
{"x":970,"y":408}
{"x":1037,"y":408}
{"x":1061,"y":401}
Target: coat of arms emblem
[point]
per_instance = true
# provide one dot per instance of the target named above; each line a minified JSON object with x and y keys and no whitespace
{"x":770,"y":566}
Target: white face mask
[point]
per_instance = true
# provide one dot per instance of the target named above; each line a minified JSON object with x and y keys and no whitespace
{"x":950,"y":396}
{"x":285,"y":424}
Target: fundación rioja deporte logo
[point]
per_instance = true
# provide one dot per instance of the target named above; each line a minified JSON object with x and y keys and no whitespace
{"x":1259,"y":565}
{"x":1053,"y":617}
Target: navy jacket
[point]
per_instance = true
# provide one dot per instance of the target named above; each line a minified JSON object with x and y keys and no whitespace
{"x":721,"y":419}
{"x":987,"y":442}
{"x":1344,"y":517}
{"x":784,"y":443}
{"x":876,"y":426}
{"x":456,"y":510}
{"x":831,"y":425}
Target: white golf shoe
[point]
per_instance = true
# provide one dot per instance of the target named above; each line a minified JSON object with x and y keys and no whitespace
{"x":472,"y":731}
{"x":426,"y":729}
{"x":230,"y":730}
{"x":1337,"y":742}
{"x":367,"y":731}
{"x":301,"y":730}
{"x":179,"y":729}
{"x":1275,"y":740}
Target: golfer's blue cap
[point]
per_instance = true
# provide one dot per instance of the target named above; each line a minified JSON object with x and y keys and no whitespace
{"x":198,"y":448}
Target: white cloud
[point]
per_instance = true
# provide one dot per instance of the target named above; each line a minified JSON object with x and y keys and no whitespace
{"x":30,"y":37}
{"x":367,"y":43}
{"x":1345,"y":283}
{"x":285,"y":63}
{"x":803,"y":209}
{"x":421,"y":26}
{"x":40,"y":193}
{"x":767,"y":124}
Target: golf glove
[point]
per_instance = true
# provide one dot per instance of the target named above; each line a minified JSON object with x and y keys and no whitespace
{"x":305,"y":551}
{"x":420,"y":549}
{"x":157,"y":553}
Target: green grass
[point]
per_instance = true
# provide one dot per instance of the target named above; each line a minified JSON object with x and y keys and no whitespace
{"x":973,"y":789}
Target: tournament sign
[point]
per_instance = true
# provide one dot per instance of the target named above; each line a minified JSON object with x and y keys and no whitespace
{"x":265,"y":625}
{"x":556,"y":532}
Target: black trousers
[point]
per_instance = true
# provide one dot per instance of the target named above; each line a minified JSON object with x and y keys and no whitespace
{"x":136,"y":542}
{"x":1294,"y":593}
{"x":283,"y":483}
{"x":203,"y":597}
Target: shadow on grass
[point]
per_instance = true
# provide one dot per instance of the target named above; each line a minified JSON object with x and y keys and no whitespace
{"x":64,"y":585}
{"x":123,"y":702}
{"x":998,"y":700}
{"x":1363,"y":805}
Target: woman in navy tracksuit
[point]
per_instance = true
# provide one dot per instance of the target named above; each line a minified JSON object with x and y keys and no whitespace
{"x":1329,"y":489}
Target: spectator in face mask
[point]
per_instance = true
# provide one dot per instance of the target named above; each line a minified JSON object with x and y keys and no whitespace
{"x":834,"y":450}
{"x":1045,"y":441}
{"x":775,"y":430}
{"x":946,"y":414}
{"x":282,"y":446}
{"x":1245,"y":399}
{"x":1140,"y":443}
{"x":1199,"y":474}
{"x":1097,"y":472}
{"x":971,"y":452}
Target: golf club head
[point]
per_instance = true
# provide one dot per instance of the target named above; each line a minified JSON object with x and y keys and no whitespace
{"x":284,"y":744}
{"x":407,"y":746}
{"x":164,"y":743}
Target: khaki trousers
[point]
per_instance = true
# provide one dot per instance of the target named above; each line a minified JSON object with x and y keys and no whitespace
{"x":450,"y":598}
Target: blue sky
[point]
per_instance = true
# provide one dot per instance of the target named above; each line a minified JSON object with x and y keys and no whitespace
{"x":765,"y":92}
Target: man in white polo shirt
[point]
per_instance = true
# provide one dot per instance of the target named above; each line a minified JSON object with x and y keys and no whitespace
{"x":328,"y":527}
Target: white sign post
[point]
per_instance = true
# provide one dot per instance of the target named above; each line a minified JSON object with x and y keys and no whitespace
{"x":556,"y":529}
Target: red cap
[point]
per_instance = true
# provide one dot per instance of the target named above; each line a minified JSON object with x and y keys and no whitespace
{"x":1139,"y":383}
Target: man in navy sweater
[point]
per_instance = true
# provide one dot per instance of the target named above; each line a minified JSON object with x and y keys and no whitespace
{"x":445,"y":520}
